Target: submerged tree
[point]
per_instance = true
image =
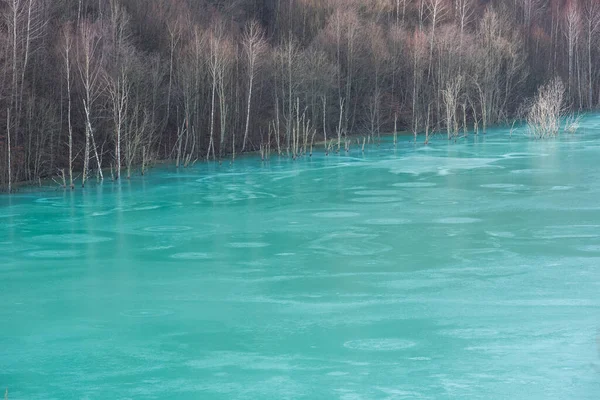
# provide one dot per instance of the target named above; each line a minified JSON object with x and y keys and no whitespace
{"x":543,"y":118}
{"x":254,"y":45}
{"x":89,"y":63}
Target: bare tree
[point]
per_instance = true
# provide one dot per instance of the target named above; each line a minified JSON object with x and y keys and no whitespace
{"x":24,"y":25}
{"x":67,"y":48}
{"x":465,"y":10}
{"x":119,"y":88}
{"x":8,"y":152}
{"x":592,"y":24}
{"x":571,"y":31}
{"x":254,"y":45}
{"x":90,"y":69}
{"x":543,"y":118}
{"x":437,"y":10}
{"x":225,"y":53}
{"x":451,"y":99}
{"x":175,"y":31}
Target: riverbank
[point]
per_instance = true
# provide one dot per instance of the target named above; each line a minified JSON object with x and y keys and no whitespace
{"x":49,"y":183}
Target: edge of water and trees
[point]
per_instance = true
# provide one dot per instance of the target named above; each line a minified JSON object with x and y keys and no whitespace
{"x":104,"y":89}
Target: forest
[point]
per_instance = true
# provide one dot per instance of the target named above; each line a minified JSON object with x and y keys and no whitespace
{"x":103,"y":89}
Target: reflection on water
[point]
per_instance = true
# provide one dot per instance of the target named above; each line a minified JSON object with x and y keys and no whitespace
{"x":465,"y":270}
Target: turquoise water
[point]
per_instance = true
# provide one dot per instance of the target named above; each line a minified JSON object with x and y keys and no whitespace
{"x":451,"y":271}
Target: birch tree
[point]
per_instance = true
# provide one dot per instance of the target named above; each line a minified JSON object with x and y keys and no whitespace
{"x":254,"y":45}
{"x":592,"y":25}
{"x":67,"y":54}
{"x":89,"y":64}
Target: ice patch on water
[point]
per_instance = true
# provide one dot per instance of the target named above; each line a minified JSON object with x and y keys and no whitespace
{"x":155,"y":248}
{"x":561,"y":188}
{"x":506,"y":235}
{"x":48,"y":200}
{"x":337,"y":373}
{"x":523,"y":155}
{"x":248,"y":245}
{"x":105,"y":212}
{"x":9,"y":215}
{"x":54,"y":254}
{"x":191,"y":256}
{"x":457,"y":220}
{"x":421,"y":164}
{"x":568,"y":232}
{"x":414,"y":184}
{"x":376,"y":199}
{"x":511,"y":186}
{"x":145,"y":208}
{"x":168,"y":228}
{"x":387,"y":221}
{"x":379,"y":344}
{"x":529,"y":171}
{"x":336,"y":214}
{"x":74,"y":238}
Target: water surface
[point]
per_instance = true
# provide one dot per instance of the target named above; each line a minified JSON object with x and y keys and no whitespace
{"x":451,"y":271}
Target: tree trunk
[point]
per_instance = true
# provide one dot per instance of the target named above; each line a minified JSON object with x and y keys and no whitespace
{"x":248,"y":106}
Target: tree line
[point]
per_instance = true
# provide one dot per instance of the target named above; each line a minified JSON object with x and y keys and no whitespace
{"x":96,"y":87}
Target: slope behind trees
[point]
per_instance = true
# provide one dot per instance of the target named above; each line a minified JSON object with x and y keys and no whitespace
{"x":87,"y":86}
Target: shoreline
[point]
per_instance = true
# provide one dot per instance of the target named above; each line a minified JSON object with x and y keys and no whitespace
{"x":48,"y":183}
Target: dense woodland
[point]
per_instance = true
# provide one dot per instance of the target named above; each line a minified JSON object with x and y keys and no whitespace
{"x":90,"y":88}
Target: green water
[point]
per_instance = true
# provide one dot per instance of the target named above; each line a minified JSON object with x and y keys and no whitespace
{"x":451,"y":271}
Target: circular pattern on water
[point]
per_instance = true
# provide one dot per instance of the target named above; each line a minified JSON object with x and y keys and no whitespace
{"x":336,"y":214}
{"x":74,"y":238}
{"x":54,"y":254}
{"x":457,"y":220}
{"x":191,"y":256}
{"x":146,"y":313}
{"x":379,"y":344}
